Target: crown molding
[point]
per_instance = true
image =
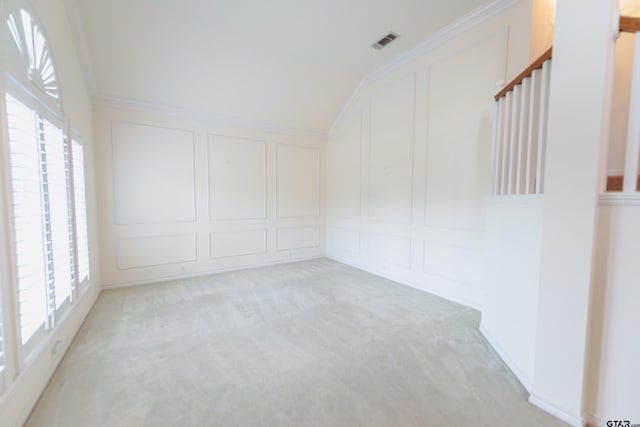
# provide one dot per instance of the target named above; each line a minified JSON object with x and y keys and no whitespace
{"x":80,"y":39}
{"x":154,"y":108}
{"x":447,"y":33}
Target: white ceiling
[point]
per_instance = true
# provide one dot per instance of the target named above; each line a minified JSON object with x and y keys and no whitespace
{"x":289,"y":63}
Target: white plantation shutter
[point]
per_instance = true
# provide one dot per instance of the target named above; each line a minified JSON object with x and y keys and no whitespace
{"x":82,"y":238}
{"x":28,"y":224}
{"x":58,"y":214}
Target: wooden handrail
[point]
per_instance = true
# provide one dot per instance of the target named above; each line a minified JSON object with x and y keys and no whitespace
{"x":629,"y":24}
{"x":537,"y":64}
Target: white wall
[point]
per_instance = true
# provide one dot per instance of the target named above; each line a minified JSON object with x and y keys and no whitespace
{"x":23,"y":390}
{"x":182,"y":197}
{"x":408,"y":168}
{"x":614,"y":348}
{"x":579,"y":112}
{"x":509,"y":310}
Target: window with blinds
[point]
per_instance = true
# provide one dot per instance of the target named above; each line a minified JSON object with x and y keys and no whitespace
{"x":44,"y":163}
{"x":47,"y":241}
{"x":82,"y":237}
{"x":28,"y":215}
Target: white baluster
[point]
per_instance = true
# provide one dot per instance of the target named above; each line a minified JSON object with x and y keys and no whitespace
{"x":532,"y":149}
{"x":523,"y":136}
{"x":542,"y":128}
{"x":506,"y":144}
{"x":633,"y":132}
{"x":498,"y":146}
{"x":513,"y":138}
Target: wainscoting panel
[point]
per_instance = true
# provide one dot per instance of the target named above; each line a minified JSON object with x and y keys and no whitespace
{"x":183,"y":197}
{"x":297,"y":181}
{"x":297,"y":238}
{"x":154,"y":175}
{"x":237,"y":178}
{"x":391,"y":152}
{"x":155,"y":250}
{"x":236,"y":243}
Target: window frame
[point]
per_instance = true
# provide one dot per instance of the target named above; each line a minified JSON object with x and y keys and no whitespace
{"x":16,"y":81}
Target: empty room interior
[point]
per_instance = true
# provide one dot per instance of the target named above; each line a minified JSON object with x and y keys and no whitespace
{"x":323,"y":213}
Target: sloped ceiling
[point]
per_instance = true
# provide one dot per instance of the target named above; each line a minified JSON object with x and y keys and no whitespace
{"x":289,"y":63}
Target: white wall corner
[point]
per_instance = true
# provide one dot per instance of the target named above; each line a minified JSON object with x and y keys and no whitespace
{"x":515,"y":369}
{"x":556,"y":412}
{"x":452,"y":30}
{"x":166,"y":110}
{"x":80,"y":40}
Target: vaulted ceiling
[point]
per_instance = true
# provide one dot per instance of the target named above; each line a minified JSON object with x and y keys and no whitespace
{"x":289,"y":63}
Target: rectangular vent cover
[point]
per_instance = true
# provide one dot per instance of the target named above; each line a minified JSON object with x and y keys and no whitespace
{"x":384,"y":41}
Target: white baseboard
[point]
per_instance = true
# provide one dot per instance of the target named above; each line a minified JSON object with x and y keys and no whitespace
{"x":162,"y":279}
{"x":572,"y":420}
{"x":519,"y":374}
{"x":404,"y":281}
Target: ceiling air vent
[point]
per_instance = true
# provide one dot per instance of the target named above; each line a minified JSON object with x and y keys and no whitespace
{"x":384,"y":41}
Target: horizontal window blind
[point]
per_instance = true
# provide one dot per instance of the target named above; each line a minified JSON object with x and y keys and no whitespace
{"x":58,"y":215}
{"x":27,"y":207}
{"x":82,"y":237}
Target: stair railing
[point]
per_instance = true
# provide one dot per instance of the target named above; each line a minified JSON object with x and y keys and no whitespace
{"x":520,"y":131}
{"x":631,"y":181}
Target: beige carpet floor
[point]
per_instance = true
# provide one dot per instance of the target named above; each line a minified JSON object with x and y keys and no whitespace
{"x":313,"y":343}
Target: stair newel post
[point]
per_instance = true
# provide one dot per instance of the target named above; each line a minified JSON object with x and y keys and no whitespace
{"x":632,"y":157}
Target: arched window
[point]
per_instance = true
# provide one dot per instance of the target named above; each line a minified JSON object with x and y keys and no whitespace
{"x":45,"y":161}
{"x":32,"y":46}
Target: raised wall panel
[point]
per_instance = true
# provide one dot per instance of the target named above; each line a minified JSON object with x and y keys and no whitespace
{"x":344,"y":239}
{"x":237,"y":178}
{"x":155,"y":250}
{"x":298,"y":181}
{"x":392,"y":249}
{"x":391,"y":155}
{"x":297,"y":238}
{"x":343,"y":172}
{"x":460,"y":132}
{"x":454,"y":262}
{"x":236,"y":243}
{"x":153,"y":172}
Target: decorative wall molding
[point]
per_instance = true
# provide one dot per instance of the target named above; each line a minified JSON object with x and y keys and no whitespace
{"x":452,"y":30}
{"x":166,"y":110}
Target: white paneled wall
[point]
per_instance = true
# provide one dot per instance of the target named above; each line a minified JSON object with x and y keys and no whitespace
{"x":408,"y":168}
{"x":184,"y":198}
